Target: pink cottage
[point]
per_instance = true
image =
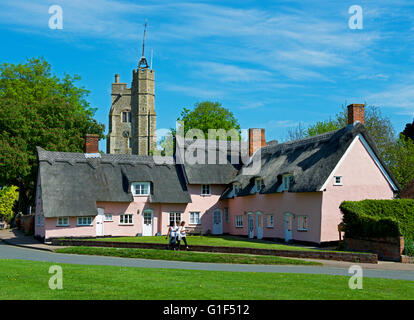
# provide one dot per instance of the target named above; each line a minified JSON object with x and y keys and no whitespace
{"x":294,"y":196}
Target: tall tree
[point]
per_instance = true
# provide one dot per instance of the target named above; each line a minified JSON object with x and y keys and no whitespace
{"x":378,"y":126}
{"x":39,"y":109}
{"x":208,"y":115}
{"x":408,"y":132}
{"x":400,"y":159}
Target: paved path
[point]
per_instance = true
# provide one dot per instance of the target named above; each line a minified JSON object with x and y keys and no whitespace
{"x":18,"y":238}
{"x":13,"y":252}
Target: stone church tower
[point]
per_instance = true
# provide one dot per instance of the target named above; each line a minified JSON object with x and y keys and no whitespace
{"x":132,"y":118}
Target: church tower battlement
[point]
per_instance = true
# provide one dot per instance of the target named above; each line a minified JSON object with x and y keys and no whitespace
{"x":132,"y":118}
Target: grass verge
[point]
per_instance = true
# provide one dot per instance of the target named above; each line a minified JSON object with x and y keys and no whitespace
{"x":221,"y":241}
{"x":184,"y":256}
{"x":21,"y":279}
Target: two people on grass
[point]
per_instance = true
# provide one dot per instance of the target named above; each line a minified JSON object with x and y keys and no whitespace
{"x":176,"y":234}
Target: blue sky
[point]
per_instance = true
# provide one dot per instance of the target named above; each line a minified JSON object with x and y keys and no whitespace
{"x":272,"y":63}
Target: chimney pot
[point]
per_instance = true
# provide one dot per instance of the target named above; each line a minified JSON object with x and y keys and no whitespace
{"x":116,"y":78}
{"x":91,"y":143}
{"x":257,"y":139}
{"x":356,"y":112}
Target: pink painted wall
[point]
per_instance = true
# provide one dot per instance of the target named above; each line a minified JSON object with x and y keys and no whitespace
{"x":277,"y":205}
{"x":203,"y":204}
{"x":361,"y":179}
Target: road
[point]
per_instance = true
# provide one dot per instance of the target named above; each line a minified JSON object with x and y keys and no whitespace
{"x":13,"y":252}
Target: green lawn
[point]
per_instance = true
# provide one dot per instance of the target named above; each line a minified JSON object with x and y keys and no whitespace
{"x":222,"y":241}
{"x":21,"y":279}
{"x":184,"y":256}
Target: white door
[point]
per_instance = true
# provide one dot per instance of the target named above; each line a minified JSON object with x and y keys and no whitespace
{"x":259,"y":225}
{"x":288,"y":226}
{"x":250,"y":225}
{"x":147,"y":223}
{"x":100,"y":222}
{"x":217,"y":222}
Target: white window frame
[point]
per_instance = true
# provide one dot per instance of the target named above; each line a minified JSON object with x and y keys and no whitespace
{"x":84,"y":221}
{"x":302,"y":226}
{"x":236,"y":188}
{"x":192,"y":216}
{"x":175,"y":214}
{"x":126,"y":219}
{"x":106,"y":219}
{"x":338,"y":183}
{"x":134,"y":189}
{"x":258,"y":183}
{"x":270,"y":221}
{"x":39,"y":220}
{"x":239,"y":221}
{"x":226,"y":215}
{"x":62,"y":222}
{"x":207,"y":186}
{"x":286,"y":181}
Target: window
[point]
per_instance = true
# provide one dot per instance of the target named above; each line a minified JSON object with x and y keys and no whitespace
{"x":175,"y":217}
{"x":62,"y":221}
{"x":303,"y":223}
{"x":140,"y":188}
{"x":194,"y":217}
{"x":337,"y":181}
{"x":205,"y":190}
{"x":84,"y":221}
{"x":226,"y":214}
{"x":258,"y":184}
{"x":236,"y":188}
{"x":108,"y":217}
{"x":126,"y":116}
{"x":129,"y":142}
{"x":270,"y":221}
{"x":39,"y":220}
{"x":125,"y":219}
{"x":287,"y":181}
{"x":239,"y":221}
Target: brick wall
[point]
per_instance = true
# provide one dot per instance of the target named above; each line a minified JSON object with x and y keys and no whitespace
{"x":388,"y":248}
{"x":27,"y":223}
{"x":324,"y":255}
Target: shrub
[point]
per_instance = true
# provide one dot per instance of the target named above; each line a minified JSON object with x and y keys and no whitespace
{"x":8,"y":198}
{"x":379,"y":218}
{"x":408,"y":247}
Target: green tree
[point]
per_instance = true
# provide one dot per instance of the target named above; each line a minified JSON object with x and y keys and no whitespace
{"x":400,"y":159}
{"x":39,"y":109}
{"x":378,"y":126}
{"x":322,"y":127}
{"x":8,"y":198}
{"x":408,"y":132}
{"x":208,"y":115}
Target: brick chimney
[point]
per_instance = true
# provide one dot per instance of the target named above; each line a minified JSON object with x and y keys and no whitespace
{"x":356,"y":112}
{"x":91,"y":143}
{"x":116,"y":78}
{"x":256,"y":139}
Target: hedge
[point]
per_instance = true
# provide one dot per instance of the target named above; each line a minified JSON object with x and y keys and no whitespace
{"x":379,"y":218}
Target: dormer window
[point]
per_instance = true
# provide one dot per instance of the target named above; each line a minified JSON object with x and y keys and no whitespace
{"x":236,"y":188}
{"x":140,"y":188}
{"x":205,"y":190}
{"x":287,"y":181}
{"x":259,"y":184}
